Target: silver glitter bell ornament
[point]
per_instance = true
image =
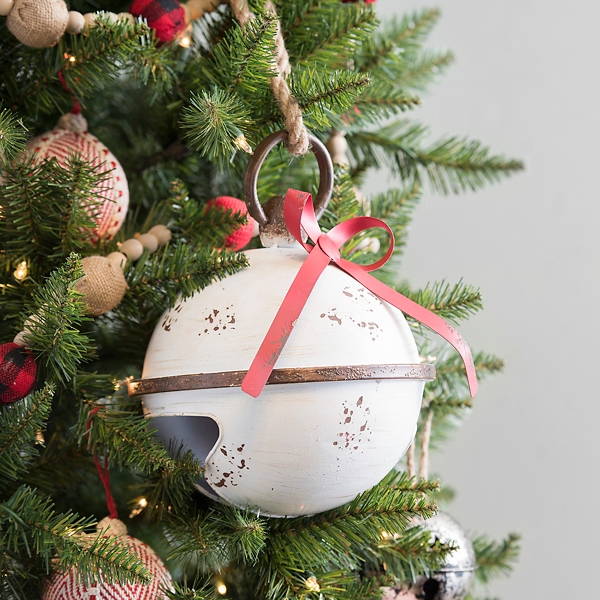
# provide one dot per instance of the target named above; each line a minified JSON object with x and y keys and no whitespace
{"x":453,"y":580}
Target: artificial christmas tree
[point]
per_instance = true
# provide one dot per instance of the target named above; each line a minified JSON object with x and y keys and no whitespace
{"x":181,"y":116}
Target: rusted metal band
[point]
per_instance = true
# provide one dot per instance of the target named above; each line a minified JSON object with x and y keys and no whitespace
{"x":206,"y":381}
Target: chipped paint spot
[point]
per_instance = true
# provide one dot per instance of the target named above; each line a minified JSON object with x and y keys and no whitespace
{"x":335,"y":318}
{"x":221,"y":483}
{"x":241,"y":448}
{"x":360,"y":401}
{"x":223,"y":451}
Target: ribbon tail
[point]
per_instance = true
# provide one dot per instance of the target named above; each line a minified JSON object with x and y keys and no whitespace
{"x":284,"y":322}
{"x":418,"y":312}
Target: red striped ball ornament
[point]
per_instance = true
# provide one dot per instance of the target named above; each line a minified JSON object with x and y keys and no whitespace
{"x":69,"y":586}
{"x":70,"y":138}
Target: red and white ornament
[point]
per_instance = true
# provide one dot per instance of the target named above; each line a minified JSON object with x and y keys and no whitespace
{"x":69,"y":586}
{"x":244,"y":233}
{"x":111,"y":199}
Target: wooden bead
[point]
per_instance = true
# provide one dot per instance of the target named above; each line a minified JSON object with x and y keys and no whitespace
{"x":20,"y":339}
{"x":149,"y":241}
{"x":75,"y":23}
{"x":5,"y":8}
{"x":89,"y":21}
{"x":162,"y":234}
{"x":126,"y":17}
{"x":118,"y":258}
{"x":132,"y":249}
{"x":338,"y":146}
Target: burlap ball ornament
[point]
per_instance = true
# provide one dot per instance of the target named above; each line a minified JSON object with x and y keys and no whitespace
{"x":69,"y":586}
{"x":103,"y":285}
{"x":109,"y":203}
{"x":38,"y":23}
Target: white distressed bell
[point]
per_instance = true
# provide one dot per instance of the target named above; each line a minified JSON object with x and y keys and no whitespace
{"x":299,"y":448}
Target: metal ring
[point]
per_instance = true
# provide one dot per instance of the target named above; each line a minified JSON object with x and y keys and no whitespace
{"x":257,"y":159}
{"x":207,"y":381}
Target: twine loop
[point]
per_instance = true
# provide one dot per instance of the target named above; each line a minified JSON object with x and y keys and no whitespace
{"x":297,"y":142}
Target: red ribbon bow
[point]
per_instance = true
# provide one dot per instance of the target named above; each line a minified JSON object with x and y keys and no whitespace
{"x":299,"y":215}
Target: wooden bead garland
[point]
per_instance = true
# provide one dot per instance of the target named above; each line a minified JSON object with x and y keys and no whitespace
{"x":41,"y":23}
{"x":103,"y":284}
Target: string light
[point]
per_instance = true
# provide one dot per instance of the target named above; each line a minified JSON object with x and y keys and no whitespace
{"x":70,"y":58}
{"x":21,"y":271}
{"x":242,"y":143}
{"x":221,"y":588}
{"x":185,"y":42}
{"x":138,"y":508}
{"x":312,"y":584}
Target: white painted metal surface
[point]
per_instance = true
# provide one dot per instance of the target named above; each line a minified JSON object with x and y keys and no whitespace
{"x":298,"y":448}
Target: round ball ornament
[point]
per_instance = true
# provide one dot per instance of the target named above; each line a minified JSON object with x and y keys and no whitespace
{"x":341,"y":405}
{"x":108,"y":206}
{"x":103,"y":284}
{"x":453,"y":580}
{"x":38,"y":23}
{"x":70,"y":586}
{"x":17,"y":372}
{"x":166,"y":17}
{"x":242,"y":234}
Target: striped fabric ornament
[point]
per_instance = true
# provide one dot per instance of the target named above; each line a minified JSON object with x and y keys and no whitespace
{"x":70,"y":138}
{"x":69,"y":586}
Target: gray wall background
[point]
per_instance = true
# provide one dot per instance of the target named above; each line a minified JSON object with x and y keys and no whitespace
{"x":525,"y":81}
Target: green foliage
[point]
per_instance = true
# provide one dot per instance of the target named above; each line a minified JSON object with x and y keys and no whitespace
{"x":214,"y":122}
{"x":211,"y":540}
{"x":495,"y":558}
{"x":322,"y":94}
{"x":20,"y":423}
{"x":12,"y":134}
{"x":52,"y":324}
{"x":49,"y":212}
{"x":87,"y":62}
{"x":451,"y":302}
{"x":29,"y":526}
{"x":451,"y":164}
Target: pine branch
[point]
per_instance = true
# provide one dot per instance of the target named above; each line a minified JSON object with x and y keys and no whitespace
{"x":337,"y":539}
{"x":243,"y":61}
{"x":450,"y":380}
{"x":451,"y":165}
{"x":87,"y":63}
{"x":131,"y":443}
{"x":19,"y":426}
{"x":397,"y":38}
{"x":52,"y":326}
{"x":196,"y":225}
{"x":320,"y":93}
{"x":416,"y":72}
{"x":50,"y":211}
{"x":13,"y":134}
{"x":29,"y":525}
{"x":196,"y":592}
{"x":214,"y":122}
{"x":495,"y":558}
{"x":156,"y":282}
{"x":328,"y":36}
{"x":381,"y":101}
{"x":451,"y":302}
{"x":212,"y":539}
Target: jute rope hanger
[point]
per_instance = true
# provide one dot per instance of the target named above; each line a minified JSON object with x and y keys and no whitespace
{"x":297,"y":143}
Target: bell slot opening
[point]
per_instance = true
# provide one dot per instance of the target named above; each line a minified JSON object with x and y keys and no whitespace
{"x":198,"y":434}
